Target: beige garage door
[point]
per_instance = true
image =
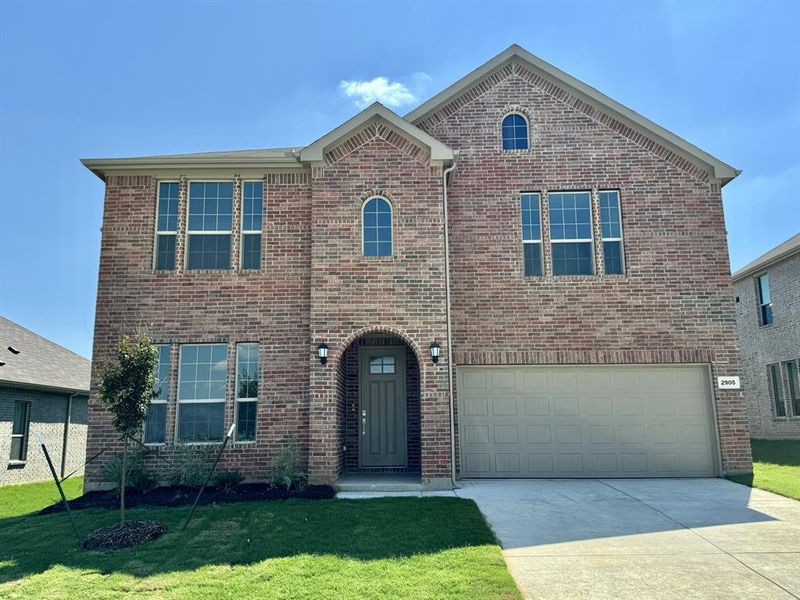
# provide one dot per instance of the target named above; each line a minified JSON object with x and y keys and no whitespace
{"x":603,"y":421}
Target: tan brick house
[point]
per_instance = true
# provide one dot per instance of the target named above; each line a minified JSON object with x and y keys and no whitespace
{"x":520,"y":278}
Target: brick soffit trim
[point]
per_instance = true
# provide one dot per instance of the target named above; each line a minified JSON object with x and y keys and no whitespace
{"x":377,"y":130}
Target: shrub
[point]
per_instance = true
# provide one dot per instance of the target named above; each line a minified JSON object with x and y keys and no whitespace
{"x":285,"y":471}
{"x":139,"y":477}
{"x":227,"y":481}
{"x":194,"y":462}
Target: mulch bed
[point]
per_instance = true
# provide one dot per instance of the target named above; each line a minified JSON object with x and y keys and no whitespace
{"x":130,"y":533}
{"x":179,"y":495}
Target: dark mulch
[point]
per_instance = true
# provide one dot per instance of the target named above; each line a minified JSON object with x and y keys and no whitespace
{"x":178,"y":495}
{"x":123,"y":535}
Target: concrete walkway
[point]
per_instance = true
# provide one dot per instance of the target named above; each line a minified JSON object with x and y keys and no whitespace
{"x":643,"y":539}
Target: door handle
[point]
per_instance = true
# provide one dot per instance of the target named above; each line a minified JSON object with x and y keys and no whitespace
{"x":364,"y":422}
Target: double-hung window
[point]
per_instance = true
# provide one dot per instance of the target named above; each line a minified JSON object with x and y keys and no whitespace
{"x":611,"y":229}
{"x":252,"y":213}
{"x":247,"y":379}
{"x":166,"y":225}
{"x":202,"y":376}
{"x":155,"y":426}
{"x":209,"y":225}
{"x":776,"y":387}
{"x":571,"y":232}
{"x":764,"y":300}
{"x":794,"y":386}
{"x":532,"y":234}
{"x":19,"y":431}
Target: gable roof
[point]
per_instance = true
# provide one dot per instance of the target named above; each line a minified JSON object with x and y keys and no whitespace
{"x":778,"y":253}
{"x":632,"y":119}
{"x":40,"y":362}
{"x":314,"y":152}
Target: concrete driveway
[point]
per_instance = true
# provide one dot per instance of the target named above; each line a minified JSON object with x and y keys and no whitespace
{"x":643,"y":539}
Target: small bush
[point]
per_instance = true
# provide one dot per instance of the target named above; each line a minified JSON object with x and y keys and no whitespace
{"x":193,"y":464}
{"x":285,"y":471}
{"x":139,"y":477}
{"x":227,"y":481}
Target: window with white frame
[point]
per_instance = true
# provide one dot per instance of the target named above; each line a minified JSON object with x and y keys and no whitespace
{"x":209,"y":225}
{"x":202,"y":376}
{"x":764,"y":300}
{"x":155,"y":426}
{"x":247,"y":380}
{"x":571,"y":232}
{"x":531,"y":234}
{"x":776,"y":389}
{"x":19,"y":431}
{"x":611,"y":230}
{"x":252,"y":215}
{"x":377,"y":227}
{"x":793,"y":382}
{"x":166,"y":225}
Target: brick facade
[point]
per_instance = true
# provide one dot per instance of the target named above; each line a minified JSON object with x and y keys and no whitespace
{"x":673,"y":305}
{"x":764,"y":345}
{"x":48,"y":412}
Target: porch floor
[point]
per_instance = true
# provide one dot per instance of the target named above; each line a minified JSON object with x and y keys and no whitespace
{"x":379,"y":482}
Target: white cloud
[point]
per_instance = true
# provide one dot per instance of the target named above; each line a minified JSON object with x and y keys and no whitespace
{"x":380,"y":89}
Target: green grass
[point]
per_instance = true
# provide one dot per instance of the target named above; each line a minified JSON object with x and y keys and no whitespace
{"x":432,"y":548}
{"x":31,"y":497}
{"x":776,"y":467}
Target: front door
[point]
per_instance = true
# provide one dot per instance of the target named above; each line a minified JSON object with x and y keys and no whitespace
{"x":382,"y":406}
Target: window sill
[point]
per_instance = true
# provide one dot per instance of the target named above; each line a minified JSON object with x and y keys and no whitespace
{"x":154,"y":444}
{"x":244,"y":442}
{"x":17,"y":464}
{"x":517,"y":152}
{"x":219,"y":443}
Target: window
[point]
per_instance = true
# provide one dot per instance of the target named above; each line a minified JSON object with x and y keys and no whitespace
{"x":532,"y":234}
{"x":515,"y":132}
{"x":155,"y":427}
{"x":571,"y":232}
{"x":247,"y":378}
{"x":611,"y":228}
{"x":252,"y":211}
{"x":19,"y":431}
{"x":794,"y":386}
{"x":377,"y":227}
{"x":776,"y":387}
{"x":381,"y":365}
{"x":201,"y":392}
{"x":764,"y":302}
{"x":166,"y":225}
{"x":209,"y":230}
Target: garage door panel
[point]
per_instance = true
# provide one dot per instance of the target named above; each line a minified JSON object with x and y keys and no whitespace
{"x":585,"y":421}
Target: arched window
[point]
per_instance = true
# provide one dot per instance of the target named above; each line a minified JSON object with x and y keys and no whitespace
{"x":515,"y":132}
{"x":377,"y":226}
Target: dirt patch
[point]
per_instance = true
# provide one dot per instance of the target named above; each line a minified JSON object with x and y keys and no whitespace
{"x":178,"y":495}
{"x":124,"y":535}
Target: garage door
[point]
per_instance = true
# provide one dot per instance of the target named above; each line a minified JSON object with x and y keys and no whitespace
{"x":599,"y":421}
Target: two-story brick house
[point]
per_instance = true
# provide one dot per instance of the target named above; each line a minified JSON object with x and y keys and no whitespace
{"x":768,"y":324}
{"x":520,"y":278}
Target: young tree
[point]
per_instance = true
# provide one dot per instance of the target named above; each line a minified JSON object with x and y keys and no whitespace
{"x":126,"y":389}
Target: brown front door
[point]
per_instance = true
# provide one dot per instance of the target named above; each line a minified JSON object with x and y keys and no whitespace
{"x":382,"y":406}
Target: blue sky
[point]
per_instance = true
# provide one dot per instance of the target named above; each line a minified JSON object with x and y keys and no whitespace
{"x":123,"y":79}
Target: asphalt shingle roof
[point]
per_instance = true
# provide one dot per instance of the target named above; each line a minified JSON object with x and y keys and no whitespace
{"x":40,"y":362}
{"x":779,"y":252}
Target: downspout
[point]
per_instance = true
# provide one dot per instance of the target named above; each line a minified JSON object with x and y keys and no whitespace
{"x":67,"y":420}
{"x":445,"y":173}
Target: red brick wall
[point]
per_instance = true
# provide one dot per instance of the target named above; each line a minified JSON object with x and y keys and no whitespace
{"x":675,"y":302}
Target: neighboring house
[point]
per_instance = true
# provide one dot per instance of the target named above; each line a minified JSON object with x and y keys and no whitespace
{"x":768,"y":323}
{"x":573,"y":251}
{"x":44,"y":389}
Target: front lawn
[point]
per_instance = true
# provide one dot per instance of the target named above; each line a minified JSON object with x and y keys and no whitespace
{"x":776,"y":467}
{"x":379,"y":548}
{"x":31,"y":497}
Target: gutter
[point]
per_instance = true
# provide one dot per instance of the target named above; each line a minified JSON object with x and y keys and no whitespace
{"x":445,"y":173}
{"x":67,"y":421}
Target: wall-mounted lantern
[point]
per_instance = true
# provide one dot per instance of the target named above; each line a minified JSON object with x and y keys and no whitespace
{"x":322,"y":350}
{"x":436,"y":349}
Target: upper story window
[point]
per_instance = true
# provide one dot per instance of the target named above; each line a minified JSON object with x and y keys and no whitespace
{"x":611,"y":228}
{"x":532,"y":233}
{"x":247,"y":379}
{"x":377,"y":226}
{"x":252,"y":217}
{"x":571,"y":232}
{"x":155,"y":427}
{"x":515,"y":132}
{"x":209,"y":225}
{"x":202,"y":377}
{"x":764,"y":301}
{"x":166,"y":225}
